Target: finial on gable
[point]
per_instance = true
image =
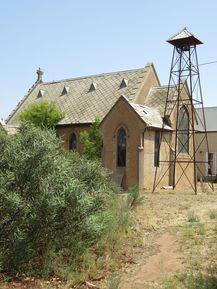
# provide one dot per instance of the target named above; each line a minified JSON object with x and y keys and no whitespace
{"x":40,"y":73}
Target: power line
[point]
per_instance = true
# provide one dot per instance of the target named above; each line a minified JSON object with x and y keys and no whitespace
{"x":206,"y":63}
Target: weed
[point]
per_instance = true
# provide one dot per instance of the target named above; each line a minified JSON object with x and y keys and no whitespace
{"x":192,"y":229}
{"x":134,"y":197}
{"x":114,"y":282}
{"x":74,"y":278}
{"x":190,"y":280}
{"x":171,"y":283}
{"x":201,"y":281}
{"x":184,"y":207}
{"x":201,"y":229}
{"x":213,"y":214}
{"x":47,"y":286}
{"x":192,"y":217}
{"x":187,"y":231}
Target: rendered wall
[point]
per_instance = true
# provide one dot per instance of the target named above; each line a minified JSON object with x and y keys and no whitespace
{"x":162,"y":173}
{"x":65,"y":132}
{"x":201,"y":154}
{"x":122,"y":116}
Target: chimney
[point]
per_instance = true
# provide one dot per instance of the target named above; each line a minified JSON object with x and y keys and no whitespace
{"x":40,"y":73}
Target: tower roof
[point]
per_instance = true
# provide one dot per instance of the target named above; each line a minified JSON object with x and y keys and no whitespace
{"x":184,"y":38}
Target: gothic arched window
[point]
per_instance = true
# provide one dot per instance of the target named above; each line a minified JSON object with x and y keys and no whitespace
{"x":121,"y":147}
{"x":183,"y":130}
{"x":73,"y":142}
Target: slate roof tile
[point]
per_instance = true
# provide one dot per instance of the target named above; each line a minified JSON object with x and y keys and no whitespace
{"x":80,"y":105}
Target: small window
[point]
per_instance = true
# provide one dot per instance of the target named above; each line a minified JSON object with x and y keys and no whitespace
{"x":124,"y":83}
{"x":183,"y":130}
{"x":65,"y":90}
{"x":121,"y":147}
{"x":156,"y":149}
{"x":40,"y":93}
{"x":211,"y":158}
{"x":92,"y":87}
{"x":73,"y":142}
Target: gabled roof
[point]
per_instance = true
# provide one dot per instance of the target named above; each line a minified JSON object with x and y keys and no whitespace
{"x":81,"y":105}
{"x":210,"y":118}
{"x":157,"y":98}
{"x":151,"y":117}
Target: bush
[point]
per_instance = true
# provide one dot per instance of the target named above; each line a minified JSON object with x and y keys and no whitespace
{"x":43,"y":114}
{"x":92,"y":141}
{"x":53,"y":205}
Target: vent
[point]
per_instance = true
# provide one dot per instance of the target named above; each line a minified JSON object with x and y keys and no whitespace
{"x":92,"y":87}
{"x":40,"y":93}
{"x":65,"y":90}
{"x":124,"y":83}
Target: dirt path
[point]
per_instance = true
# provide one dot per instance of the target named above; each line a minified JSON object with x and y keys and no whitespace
{"x":160,"y":255}
{"x":166,"y":260}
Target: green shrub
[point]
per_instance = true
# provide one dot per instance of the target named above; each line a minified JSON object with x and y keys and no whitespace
{"x":92,"y":141}
{"x":54,"y":206}
{"x":43,"y":114}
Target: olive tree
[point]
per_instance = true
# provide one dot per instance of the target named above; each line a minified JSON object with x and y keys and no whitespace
{"x":51,"y":203}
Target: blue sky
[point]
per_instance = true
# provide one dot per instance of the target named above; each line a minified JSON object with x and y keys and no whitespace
{"x":71,"y":38}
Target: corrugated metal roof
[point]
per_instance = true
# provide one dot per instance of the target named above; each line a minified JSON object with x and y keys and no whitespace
{"x":183,"y":37}
{"x":210,"y":118}
{"x":184,"y":33}
{"x":79,"y":104}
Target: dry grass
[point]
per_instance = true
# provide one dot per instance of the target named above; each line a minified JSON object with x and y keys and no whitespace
{"x":193,"y":220}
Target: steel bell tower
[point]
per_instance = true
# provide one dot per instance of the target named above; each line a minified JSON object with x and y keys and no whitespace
{"x":183,"y":99}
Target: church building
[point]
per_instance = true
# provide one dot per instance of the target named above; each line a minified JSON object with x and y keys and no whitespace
{"x":130,"y":105}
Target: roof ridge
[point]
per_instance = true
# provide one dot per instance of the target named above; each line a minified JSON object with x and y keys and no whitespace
{"x":96,"y":75}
